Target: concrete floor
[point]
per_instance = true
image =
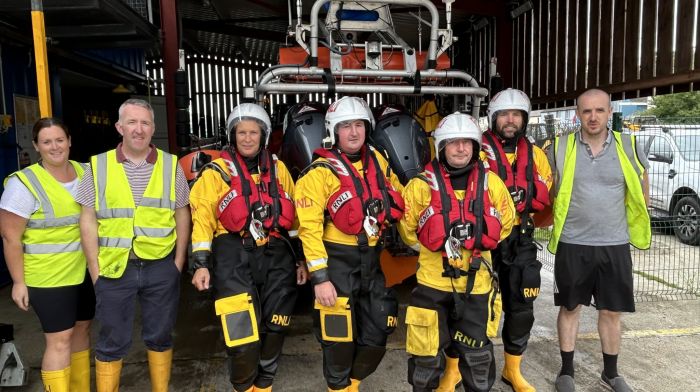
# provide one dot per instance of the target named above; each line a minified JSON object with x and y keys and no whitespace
{"x":660,"y":349}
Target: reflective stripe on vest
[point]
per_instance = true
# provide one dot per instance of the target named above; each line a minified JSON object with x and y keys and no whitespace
{"x":638,"y":221}
{"x":51,"y":248}
{"x":51,"y":240}
{"x":149,"y":228}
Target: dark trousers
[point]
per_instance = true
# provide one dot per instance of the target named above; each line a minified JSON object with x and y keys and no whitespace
{"x":156,"y":285}
{"x":460,"y":336}
{"x":518,"y":316}
{"x":268,"y":275}
{"x":373,"y":308}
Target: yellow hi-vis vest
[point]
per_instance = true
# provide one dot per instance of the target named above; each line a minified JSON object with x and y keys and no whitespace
{"x":638,"y":221}
{"x":52,"y":253}
{"x":148,"y":228}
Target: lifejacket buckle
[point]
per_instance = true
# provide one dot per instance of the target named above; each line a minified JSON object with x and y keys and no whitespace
{"x":462,"y":231}
{"x":374,"y":208}
{"x":261,"y":212}
{"x":518,"y":195}
{"x":371,"y":227}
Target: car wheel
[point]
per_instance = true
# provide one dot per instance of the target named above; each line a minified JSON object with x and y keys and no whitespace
{"x":687,"y":227}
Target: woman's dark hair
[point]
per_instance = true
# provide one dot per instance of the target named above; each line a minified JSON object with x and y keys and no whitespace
{"x":46,"y":122}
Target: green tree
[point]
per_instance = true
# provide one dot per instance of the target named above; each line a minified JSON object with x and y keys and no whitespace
{"x":676,"y":105}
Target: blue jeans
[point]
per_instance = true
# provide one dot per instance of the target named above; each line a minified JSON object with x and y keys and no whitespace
{"x":156,"y":284}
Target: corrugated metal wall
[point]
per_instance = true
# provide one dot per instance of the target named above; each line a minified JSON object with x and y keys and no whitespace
{"x":216,"y":86}
{"x":630,"y":48}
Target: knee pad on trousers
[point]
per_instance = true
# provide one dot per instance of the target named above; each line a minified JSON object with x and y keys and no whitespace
{"x":337,"y":363}
{"x":516,"y":331}
{"x":478,"y":368}
{"x":424,"y":372}
{"x":366,"y":360}
{"x":269,"y":354}
{"x":243,"y":365}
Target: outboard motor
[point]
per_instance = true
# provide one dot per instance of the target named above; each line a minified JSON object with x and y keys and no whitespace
{"x":304,"y":129}
{"x":193,"y":162}
{"x":403,"y":140}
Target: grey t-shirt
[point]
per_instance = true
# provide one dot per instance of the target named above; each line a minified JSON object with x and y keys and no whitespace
{"x":596,"y":214}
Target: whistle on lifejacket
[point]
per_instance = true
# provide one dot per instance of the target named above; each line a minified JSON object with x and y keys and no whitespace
{"x":453,"y":249}
{"x":371,"y":227}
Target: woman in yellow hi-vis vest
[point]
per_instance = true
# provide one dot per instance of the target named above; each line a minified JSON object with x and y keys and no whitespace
{"x":41,"y":238}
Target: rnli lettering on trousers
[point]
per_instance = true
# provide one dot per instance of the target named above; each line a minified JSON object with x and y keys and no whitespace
{"x":525,"y":272}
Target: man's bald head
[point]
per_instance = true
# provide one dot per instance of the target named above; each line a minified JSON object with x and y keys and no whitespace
{"x":594,"y":111}
{"x":594,"y":92}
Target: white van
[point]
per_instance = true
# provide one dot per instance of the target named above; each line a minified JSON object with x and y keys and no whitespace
{"x":674,"y":176}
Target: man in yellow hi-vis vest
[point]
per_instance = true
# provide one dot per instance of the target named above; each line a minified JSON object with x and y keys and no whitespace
{"x":599,"y":209}
{"x":135,"y":224}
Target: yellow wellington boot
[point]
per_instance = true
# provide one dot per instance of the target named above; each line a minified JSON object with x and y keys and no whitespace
{"x":511,"y":374}
{"x":107,"y":375}
{"x":338,"y":390}
{"x":159,"y":364}
{"x":80,"y":371}
{"x":354,"y":385}
{"x":256,"y":389}
{"x":451,"y":377}
{"x":56,"y":380}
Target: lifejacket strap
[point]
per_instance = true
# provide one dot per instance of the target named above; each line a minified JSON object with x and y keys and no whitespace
{"x":365,"y":262}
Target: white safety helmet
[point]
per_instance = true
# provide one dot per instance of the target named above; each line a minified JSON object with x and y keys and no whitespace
{"x":250,"y":111}
{"x":346,"y":109}
{"x":509,"y":99}
{"x":457,"y":126}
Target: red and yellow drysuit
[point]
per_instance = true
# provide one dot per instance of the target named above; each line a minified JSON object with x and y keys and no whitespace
{"x":254,"y":282}
{"x":333,"y":201}
{"x":454,"y":301}
{"x":525,"y":170}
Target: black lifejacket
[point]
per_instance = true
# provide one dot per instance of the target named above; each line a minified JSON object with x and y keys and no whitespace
{"x":266,"y":201}
{"x":359,"y":196}
{"x":473,"y":220}
{"x":527,"y":188}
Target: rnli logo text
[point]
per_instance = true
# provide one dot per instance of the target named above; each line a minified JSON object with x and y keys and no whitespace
{"x":469,"y":341}
{"x":280,"y":319}
{"x":392,"y":321}
{"x":303,"y":203}
{"x":340,"y":200}
{"x":426,"y":214}
{"x":530,"y":293}
{"x":224,"y":203}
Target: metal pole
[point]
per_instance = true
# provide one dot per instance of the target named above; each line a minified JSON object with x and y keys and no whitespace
{"x":171,"y":62}
{"x":40,"y":58}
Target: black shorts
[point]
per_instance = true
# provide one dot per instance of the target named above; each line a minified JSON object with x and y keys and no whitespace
{"x":58,"y":308}
{"x":601,"y":272}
